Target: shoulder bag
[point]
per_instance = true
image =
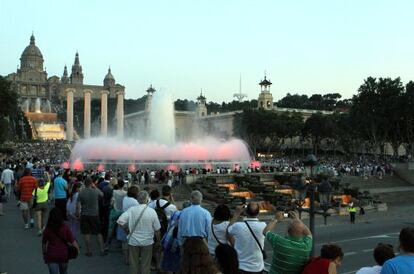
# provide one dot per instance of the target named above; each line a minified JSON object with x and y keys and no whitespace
{"x":34,"y":205}
{"x":257,"y":241}
{"x":214,"y":234}
{"x":136,"y":223}
{"x":72,"y":250}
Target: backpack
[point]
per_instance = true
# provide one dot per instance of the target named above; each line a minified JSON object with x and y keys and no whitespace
{"x":170,"y":241}
{"x":162,"y":217}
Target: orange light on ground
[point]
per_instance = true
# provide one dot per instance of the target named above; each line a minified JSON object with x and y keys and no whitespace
{"x":306,"y":203}
{"x":265,"y":207}
{"x":242,"y":194}
{"x":286,"y":191}
{"x":346,"y":199}
{"x":229,"y":186}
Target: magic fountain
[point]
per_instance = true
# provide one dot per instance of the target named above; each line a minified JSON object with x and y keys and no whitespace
{"x":160,"y":149}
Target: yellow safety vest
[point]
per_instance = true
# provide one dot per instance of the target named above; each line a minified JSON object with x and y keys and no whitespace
{"x":352,"y":209}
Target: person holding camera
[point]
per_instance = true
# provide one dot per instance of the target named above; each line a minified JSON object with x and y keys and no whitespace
{"x":291,"y":251}
{"x":247,"y":238}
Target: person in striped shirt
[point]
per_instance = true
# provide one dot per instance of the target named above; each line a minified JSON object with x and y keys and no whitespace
{"x":291,"y":251}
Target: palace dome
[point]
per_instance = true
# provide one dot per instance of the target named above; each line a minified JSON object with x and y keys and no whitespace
{"x":31,"y":57}
{"x":32,"y":49}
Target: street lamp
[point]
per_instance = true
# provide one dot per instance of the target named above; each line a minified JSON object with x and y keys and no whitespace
{"x":311,"y":162}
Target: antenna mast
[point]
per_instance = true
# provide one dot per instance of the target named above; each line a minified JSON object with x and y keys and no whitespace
{"x":240,"y":96}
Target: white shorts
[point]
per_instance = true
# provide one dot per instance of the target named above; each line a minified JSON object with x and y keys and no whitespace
{"x":24,"y":205}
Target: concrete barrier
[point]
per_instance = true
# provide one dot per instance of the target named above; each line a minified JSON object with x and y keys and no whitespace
{"x":405,"y":171}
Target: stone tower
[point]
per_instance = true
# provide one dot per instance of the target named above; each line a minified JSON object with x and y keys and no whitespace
{"x":265,"y":100}
{"x":201,"y":109}
{"x":150,"y":92}
{"x":109,"y":80}
{"x":76,"y":77}
{"x":65,"y":78}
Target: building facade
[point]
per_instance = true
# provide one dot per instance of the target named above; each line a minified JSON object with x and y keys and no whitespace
{"x":41,"y":94}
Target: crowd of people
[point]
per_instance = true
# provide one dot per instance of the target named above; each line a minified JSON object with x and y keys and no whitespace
{"x":364,"y":166}
{"x":157,"y":233}
{"x":41,"y":152}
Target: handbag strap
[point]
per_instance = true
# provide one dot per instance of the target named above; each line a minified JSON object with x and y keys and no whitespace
{"x":61,"y":238}
{"x":214,"y":234}
{"x":254,"y":236}
{"x":136,"y":223}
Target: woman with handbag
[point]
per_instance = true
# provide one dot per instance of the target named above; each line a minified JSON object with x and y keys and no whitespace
{"x":58,"y":243}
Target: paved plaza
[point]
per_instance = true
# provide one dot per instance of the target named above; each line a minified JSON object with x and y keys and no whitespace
{"x":20,"y":249}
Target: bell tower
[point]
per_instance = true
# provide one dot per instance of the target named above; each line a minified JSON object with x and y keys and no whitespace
{"x":201,"y":109}
{"x":76,"y":77}
{"x":265,"y":100}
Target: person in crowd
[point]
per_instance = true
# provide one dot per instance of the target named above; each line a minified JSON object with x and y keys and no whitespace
{"x":88,"y":210}
{"x":7,"y":178}
{"x":218,"y":229}
{"x":290,"y":251}
{"x":41,"y":194}
{"x":129,"y":201}
{"x":226,"y":259}
{"x":194,"y":220}
{"x":352,"y":212}
{"x":328,"y":263}
{"x":171,"y":249}
{"x":382,"y":253}
{"x":3,"y":198}
{"x":196,"y":257}
{"x":325,"y":190}
{"x":60,"y":191}
{"x":166,"y":202}
{"x":118,"y":195}
{"x":71,"y":209}
{"x":154,"y":196}
{"x":105,"y":204}
{"x":54,"y":243}
{"x":142,"y":225}
{"x":403,"y":263}
{"x":164,"y":207}
{"x":248,"y":239}
{"x":25,"y":187}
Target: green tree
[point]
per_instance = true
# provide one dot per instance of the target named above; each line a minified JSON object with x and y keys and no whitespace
{"x":317,"y":127}
{"x":11,"y":117}
{"x":374,"y":109}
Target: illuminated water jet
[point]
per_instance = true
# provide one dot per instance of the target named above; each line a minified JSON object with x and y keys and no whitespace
{"x":161,"y":150}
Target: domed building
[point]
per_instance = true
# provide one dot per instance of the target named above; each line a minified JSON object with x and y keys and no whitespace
{"x":40,"y":95}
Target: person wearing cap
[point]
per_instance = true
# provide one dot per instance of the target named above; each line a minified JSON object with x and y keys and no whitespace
{"x":41,"y":195}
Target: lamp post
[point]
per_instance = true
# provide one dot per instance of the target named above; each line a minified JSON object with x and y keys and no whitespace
{"x":311,"y":162}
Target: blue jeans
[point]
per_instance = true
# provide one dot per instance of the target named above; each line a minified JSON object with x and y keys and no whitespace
{"x":58,"y":268}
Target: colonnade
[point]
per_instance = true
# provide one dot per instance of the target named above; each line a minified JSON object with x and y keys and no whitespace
{"x":87,"y":113}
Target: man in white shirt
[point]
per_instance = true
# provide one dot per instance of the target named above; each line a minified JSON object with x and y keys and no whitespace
{"x":165,"y":199}
{"x":241,"y":237}
{"x":142,"y":224}
{"x":382,"y":253}
{"x":167,"y":208}
{"x":7,"y":177}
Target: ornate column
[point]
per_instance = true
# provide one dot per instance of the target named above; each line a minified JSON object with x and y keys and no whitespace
{"x":69,"y":114}
{"x":120,"y":113}
{"x":104,"y":113}
{"x":87,"y":114}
